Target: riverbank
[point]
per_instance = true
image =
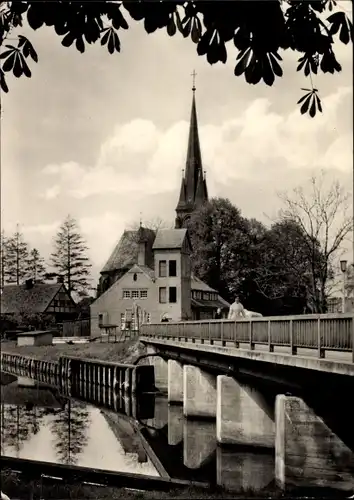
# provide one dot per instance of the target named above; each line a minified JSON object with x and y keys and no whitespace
{"x":126,"y":352}
{"x":16,"y":486}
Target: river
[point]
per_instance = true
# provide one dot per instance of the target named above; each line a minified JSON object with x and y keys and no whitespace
{"x":39,"y":423}
{"x":101,"y":429}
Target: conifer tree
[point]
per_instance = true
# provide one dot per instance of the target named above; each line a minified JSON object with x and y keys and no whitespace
{"x":69,"y":257}
{"x":17,"y":253}
{"x":36,"y":266}
{"x":4,"y":255}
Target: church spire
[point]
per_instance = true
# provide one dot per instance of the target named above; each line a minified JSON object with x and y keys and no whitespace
{"x":194,"y":170}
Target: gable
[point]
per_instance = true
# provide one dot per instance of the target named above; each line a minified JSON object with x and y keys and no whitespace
{"x":144,"y":279}
{"x":62,"y":299}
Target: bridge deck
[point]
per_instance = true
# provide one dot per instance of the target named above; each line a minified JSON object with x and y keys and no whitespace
{"x":337,"y":363}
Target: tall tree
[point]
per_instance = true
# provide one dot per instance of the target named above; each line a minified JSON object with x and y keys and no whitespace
{"x":69,"y":257}
{"x":321,"y":212}
{"x":36,"y":266}
{"x":257,"y":29}
{"x":4,"y":255}
{"x":217,"y":229}
{"x":17,"y":257}
{"x":283,"y":270}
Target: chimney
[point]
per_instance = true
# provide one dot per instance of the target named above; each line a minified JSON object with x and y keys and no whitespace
{"x":60,"y":279}
{"x":142,"y":253}
{"x":141,"y":246}
{"x":29,"y":284}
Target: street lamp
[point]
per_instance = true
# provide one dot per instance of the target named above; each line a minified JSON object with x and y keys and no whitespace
{"x":343,"y":268}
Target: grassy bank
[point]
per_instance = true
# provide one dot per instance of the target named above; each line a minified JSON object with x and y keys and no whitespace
{"x":121,"y":351}
{"x":16,"y":486}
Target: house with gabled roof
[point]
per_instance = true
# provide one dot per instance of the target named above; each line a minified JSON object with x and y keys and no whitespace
{"x":33,"y":298}
{"x":148,"y":276}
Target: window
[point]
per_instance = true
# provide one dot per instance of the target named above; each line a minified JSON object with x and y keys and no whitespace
{"x":162,"y":269}
{"x":122,"y":321}
{"x":162,"y":295}
{"x":205,"y":296}
{"x":172,"y":294}
{"x":126,"y":294}
{"x":172,"y":268}
{"x":100,"y":319}
{"x":143,"y":294}
{"x":135,"y":294}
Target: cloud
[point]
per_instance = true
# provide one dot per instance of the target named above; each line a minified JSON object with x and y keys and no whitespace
{"x":138,"y":157}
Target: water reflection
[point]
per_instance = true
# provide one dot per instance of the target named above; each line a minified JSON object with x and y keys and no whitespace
{"x":187,"y":449}
{"x":94,"y":428}
{"x":38,"y":423}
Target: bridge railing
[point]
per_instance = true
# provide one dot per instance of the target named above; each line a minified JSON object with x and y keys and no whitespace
{"x":322,"y":332}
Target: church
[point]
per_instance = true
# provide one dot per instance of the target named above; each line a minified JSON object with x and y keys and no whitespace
{"x":148,"y":277}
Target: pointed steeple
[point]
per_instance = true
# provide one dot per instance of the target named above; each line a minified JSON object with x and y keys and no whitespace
{"x":194,"y":157}
{"x":193,"y":190}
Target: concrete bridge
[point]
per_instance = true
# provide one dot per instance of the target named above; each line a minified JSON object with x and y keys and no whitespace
{"x":240,"y":374}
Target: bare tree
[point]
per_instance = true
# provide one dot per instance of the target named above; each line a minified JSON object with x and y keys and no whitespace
{"x":322,"y":213}
{"x":155,"y":224}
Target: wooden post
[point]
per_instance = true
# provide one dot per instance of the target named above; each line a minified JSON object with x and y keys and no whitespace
{"x":270,"y":345}
{"x":201,"y":334}
{"x":250,"y":330}
{"x":223,"y":342}
{"x":293,"y":349}
{"x":321,"y":352}
{"x":353,"y":339}
{"x":211,"y":341}
{"x":237,"y":344}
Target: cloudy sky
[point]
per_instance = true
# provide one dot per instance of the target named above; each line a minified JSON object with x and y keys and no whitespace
{"x":103,"y":137}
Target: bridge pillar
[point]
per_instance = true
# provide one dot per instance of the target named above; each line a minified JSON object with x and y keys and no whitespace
{"x":175,"y":381}
{"x":242,"y":415}
{"x":161,"y":369}
{"x":307,"y":452}
{"x":199,"y":393}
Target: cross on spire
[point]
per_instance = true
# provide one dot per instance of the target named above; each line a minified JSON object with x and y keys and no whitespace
{"x":194,"y":74}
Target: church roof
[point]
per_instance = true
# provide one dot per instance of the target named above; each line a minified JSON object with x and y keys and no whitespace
{"x":125,"y":253}
{"x":169,"y":239}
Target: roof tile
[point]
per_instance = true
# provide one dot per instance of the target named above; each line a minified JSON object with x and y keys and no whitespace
{"x":17,"y":298}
